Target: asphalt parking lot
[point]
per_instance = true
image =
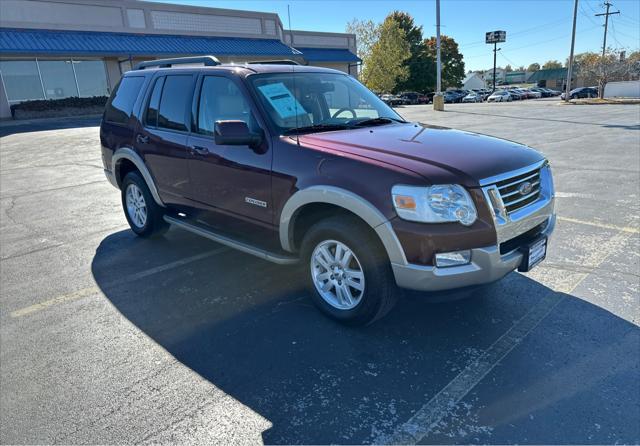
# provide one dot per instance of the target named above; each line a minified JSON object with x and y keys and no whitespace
{"x":107,"y":338}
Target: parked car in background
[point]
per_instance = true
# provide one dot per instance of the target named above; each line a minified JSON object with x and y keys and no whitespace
{"x":518,"y":95}
{"x":500,"y":96}
{"x":410,"y":97}
{"x":423,"y":98}
{"x":543,"y":92}
{"x":472,"y":97}
{"x":219,"y":151}
{"x":451,"y":97}
{"x":531,"y":94}
{"x":581,"y":93}
{"x":392,"y":99}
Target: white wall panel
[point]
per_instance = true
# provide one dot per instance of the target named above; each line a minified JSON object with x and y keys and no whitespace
{"x":179,"y":21}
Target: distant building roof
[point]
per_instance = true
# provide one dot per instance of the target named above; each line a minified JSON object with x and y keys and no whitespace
{"x":471,"y":76}
{"x":328,"y":55}
{"x":549,"y":74}
{"x":30,"y":41}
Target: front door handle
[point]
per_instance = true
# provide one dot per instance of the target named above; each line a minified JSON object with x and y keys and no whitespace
{"x":200,"y":150}
{"x":142,"y":139}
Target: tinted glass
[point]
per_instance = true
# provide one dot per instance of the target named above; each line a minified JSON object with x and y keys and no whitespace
{"x":176,"y":95}
{"x":21,"y":79}
{"x":57,"y":77}
{"x":121,"y":104}
{"x":92,"y":78}
{"x":221,"y":100}
{"x":151,"y":114}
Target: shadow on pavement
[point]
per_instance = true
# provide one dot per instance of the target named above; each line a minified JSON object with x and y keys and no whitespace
{"x":38,"y":125}
{"x":248,"y":328}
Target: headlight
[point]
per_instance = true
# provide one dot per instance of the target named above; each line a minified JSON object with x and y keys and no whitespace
{"x":434,"y":204}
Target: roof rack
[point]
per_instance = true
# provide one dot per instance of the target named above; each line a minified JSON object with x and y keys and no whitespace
{"x":208,"y":61}
{"x":273,"y":62}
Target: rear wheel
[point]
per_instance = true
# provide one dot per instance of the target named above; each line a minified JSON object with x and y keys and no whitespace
{"x":348,"y":272}
{"x":143,"y":214}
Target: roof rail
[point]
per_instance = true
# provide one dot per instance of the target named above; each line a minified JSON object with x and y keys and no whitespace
{"x":273,"y":62}
{"x":208,"y":61}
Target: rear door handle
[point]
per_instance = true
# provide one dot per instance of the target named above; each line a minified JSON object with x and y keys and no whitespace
{"x":200,"y":150}
{"x":142,"y":139}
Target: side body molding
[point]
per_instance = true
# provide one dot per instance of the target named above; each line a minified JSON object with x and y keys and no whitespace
{"x":350,"y":202}
{"x":130,"y":155}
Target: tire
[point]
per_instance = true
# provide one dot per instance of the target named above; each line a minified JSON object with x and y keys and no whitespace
{"x":143,"y":214}
{"x":375,"y":292}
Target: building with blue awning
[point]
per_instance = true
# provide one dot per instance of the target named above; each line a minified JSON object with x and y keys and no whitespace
{"x":51,"y":49}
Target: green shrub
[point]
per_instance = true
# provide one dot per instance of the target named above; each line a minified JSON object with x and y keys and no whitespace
{"x":59,"y":104}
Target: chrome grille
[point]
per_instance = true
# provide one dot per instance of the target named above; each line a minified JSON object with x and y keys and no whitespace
{"x":519,"y":191}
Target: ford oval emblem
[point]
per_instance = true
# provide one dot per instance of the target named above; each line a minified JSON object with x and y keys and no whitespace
{"x":525,"y":188}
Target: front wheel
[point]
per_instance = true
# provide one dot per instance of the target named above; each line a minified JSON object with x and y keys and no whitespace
{"x":348,"y":272}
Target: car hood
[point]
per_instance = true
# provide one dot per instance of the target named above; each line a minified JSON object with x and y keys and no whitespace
{"x":439,"y":154}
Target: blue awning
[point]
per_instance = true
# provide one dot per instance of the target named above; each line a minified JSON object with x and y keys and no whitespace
{"x":328,"y":55}
{"x":27,"y":41}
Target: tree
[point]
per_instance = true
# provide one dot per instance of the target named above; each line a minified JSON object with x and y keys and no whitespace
{"x":418,"y":63}
{"x":452,"y":63}
{"x":551,"y":64}
{"x":534,"y":67}
{"x":508,"y":69}
{"x":385,"y":67}
{"x":594,"y":69}
{"x":367,"y":33}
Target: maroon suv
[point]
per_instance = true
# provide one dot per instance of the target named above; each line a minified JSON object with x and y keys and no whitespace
{"x":294,"y":163}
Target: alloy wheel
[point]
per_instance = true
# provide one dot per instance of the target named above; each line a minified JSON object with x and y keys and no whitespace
{"x":136,"y":205}
{"x":337,"y":274}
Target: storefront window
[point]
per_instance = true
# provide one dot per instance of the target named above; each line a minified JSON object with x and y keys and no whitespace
{"x":92,"y":78}
{"x":57,"y":76}
{"x":24,"y":79}
{"x":21,"y":80}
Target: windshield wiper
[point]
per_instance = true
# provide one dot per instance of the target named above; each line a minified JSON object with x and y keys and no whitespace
{"x":377,"y":121}
{"x":316,"y":128}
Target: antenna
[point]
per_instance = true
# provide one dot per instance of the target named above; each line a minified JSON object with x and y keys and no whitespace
{"x":293,"y":70}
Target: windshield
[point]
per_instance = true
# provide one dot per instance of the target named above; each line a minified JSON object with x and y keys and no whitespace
{"x":319,"y":101}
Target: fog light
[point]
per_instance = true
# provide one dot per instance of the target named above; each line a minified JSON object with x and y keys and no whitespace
{"x":454,"y":258}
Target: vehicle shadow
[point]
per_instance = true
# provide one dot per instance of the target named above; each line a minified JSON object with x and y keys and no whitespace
{"x":38,"y":125}
{"x":248,"y":327}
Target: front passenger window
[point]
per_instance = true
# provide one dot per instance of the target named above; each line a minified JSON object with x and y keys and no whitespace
{"x":222,"y":100}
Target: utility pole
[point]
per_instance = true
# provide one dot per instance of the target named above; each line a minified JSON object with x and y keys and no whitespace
{"x":573,"y":42}
{"x":495,"y":51}
{"x":438,"y":99}
{"x":604,"y":44}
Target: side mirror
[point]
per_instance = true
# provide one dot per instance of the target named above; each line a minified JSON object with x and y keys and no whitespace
{"x":235,"y":133}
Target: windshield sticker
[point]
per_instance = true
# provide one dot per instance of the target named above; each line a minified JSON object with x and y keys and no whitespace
{"x":282,"y":100}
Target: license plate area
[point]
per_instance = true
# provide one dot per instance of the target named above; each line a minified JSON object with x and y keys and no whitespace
{"x":532,"y":254}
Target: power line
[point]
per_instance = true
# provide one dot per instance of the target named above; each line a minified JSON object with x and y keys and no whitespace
{"x":517,"y":33}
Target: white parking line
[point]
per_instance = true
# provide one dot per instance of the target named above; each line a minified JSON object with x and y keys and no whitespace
{"x":85,"y":292}
{"x":419,"y":425}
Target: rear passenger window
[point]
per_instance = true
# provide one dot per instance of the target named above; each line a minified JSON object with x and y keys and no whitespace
{"x":119,"y":108}
{"x":176,"y":96}
{"x":221,"y":100}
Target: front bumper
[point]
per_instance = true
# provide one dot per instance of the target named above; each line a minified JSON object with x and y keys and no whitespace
{"x":487,"y":265}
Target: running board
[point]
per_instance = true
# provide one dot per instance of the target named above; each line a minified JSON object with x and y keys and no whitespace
{"x":240,"y":246}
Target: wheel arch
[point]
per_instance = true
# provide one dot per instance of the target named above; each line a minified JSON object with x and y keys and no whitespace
{"x":333,"y":197}
{"x":124,"y":157}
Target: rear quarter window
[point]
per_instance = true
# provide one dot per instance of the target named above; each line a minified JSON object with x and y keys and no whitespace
{"x":120,"y":105}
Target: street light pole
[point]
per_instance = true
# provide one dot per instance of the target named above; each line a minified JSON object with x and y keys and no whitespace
{"x":438,"y":100}
{"x":573,"y":42}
